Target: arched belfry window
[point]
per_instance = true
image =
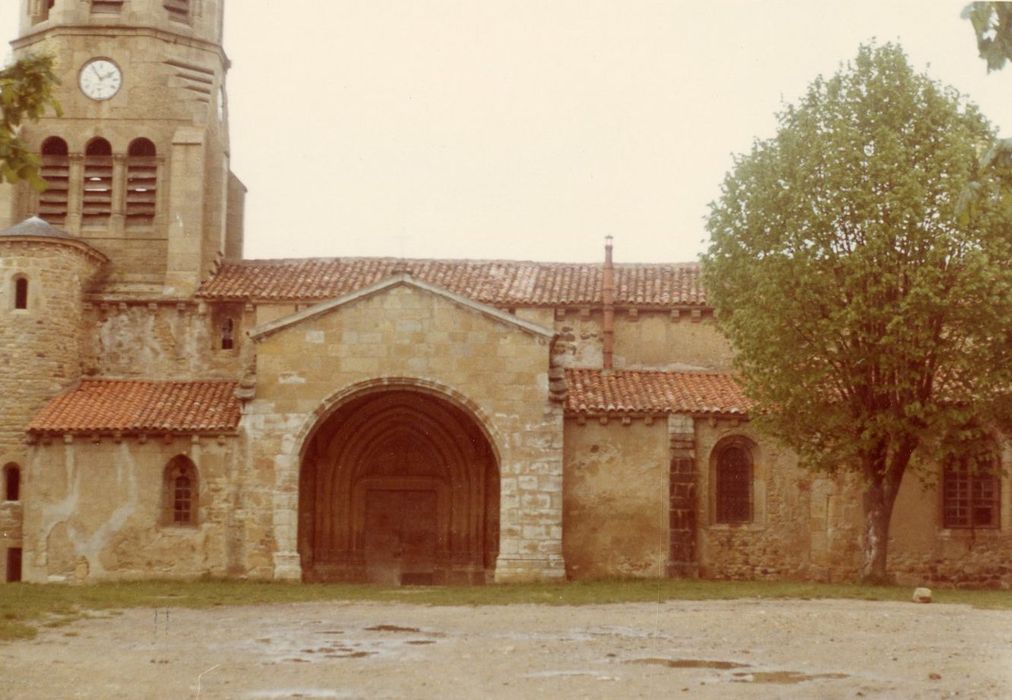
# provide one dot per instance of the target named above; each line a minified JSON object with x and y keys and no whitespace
{"x":20,"y":292}
{"x":179,"y":10}
{"x":40,"y":9}
{"x":56,"y":172}
{"x":96,"y":205}
{"x":142,"y":182}
{"x":180,"y":492}
{"x":733,"y":482}
{"x":108,"y":6}
{"x":12,"y":482}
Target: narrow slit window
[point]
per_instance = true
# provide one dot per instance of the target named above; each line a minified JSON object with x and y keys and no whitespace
{"x":96,"y":205}
{"x":227,"y":334}
{"x":12,"y":483}
{"x":21,"y":293}
{"x":55,"y":171}
{"x":142,"y":183}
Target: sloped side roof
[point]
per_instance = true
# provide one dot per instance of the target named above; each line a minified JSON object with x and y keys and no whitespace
{"x":106,"y":405}
{"x":595,"y":392}
{"x":500,"y":283}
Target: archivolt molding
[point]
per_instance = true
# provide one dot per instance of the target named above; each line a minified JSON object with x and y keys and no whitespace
{"x":333,"y":403}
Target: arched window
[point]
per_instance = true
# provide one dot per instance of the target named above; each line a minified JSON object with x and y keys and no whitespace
{"x":142,"y":182}
{"x":20,"y":292}
{"x":179,"y":10}
{"x":971,"y":490}
{"x":180,"y":492}
{"x":56,"y":172}
{"x":733,"y":482}
{"x":96,"y":207}
{"x":227,"y":334}
{"x":12,"y":482}
{"x":41,"y":9}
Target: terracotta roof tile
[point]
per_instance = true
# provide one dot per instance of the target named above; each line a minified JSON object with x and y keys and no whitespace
{"x":106,"y":405}
{"x":594,"y":391}
{"x":497,"y":282}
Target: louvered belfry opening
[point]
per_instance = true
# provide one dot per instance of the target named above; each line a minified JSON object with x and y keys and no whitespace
{"x":178,"y":10}
{"x":107,"y":6}
{"x":96,"y":204}
{"x":56,"y":172}
{"x":141,"y":183}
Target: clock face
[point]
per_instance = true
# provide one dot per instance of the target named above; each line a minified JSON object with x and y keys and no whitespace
{"x":100,"y":79}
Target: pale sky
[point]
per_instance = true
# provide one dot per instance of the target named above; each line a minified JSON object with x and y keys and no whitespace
{"x":531,"y":129}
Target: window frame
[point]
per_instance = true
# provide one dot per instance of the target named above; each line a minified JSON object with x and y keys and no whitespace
{"x":180,"y":468}
{"x":965,"y":488}
{"x":718,"y":496}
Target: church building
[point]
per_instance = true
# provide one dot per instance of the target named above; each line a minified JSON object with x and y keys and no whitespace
{"x":169,"y":409}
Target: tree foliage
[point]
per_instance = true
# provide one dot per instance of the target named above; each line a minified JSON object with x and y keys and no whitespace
{"x":992,"y":23}
{"x":860,"y":264}
{"x":26,"y":92}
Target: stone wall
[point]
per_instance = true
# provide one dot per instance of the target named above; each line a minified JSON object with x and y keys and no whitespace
{"x":775,"y":544}
{"x":97,"y":512}
{"x":411,"y":335}
{"x":40,"y":347}
{"x":10,"y":532}
{"x":615,"y":520}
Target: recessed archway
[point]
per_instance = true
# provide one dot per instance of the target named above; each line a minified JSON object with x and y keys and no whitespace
{"x":397,"y":486}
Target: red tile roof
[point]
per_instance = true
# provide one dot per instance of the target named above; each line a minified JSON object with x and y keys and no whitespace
{"x":500,"y":283}
{"x":594,"y":391}
{"x":108,"y":406}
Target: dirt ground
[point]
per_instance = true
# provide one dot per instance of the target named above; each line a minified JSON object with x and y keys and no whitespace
{"x":738,"y":649}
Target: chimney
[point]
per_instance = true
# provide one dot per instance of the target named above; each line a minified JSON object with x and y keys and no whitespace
{"x":608,"y":299}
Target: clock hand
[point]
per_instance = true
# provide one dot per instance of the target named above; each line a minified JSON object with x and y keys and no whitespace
{"x":94,"y":69}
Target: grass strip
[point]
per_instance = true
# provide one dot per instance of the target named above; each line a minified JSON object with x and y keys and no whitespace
{"x":26,"y":607}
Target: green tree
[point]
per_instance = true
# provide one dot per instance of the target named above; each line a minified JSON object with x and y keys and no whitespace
{"x":26,"y":91}
{"x":992,"y":23}
{"x":869,"y":302}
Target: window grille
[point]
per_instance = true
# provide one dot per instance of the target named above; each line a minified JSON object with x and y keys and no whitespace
{"x":734,"y":485}
{"x":55,"y":171}
{"x":96,"y":207}
{"x":971,"y":493}
{"x":142,"y":182}
{"x":181,"y":492}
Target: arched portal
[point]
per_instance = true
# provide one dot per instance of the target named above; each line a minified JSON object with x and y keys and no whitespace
{"x":399,"y":486}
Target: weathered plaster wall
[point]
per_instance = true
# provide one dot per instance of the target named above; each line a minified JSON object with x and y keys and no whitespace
{"x":97,"y":512}
{"x":163,"y":341}
{"x":615,"y":519}
{"x":494,"y":369}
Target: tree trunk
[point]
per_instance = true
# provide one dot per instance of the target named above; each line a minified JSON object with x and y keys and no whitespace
{"x":878,"y":510}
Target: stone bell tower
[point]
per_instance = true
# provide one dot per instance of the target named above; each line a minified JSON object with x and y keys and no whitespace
{"x":138,"y":162}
